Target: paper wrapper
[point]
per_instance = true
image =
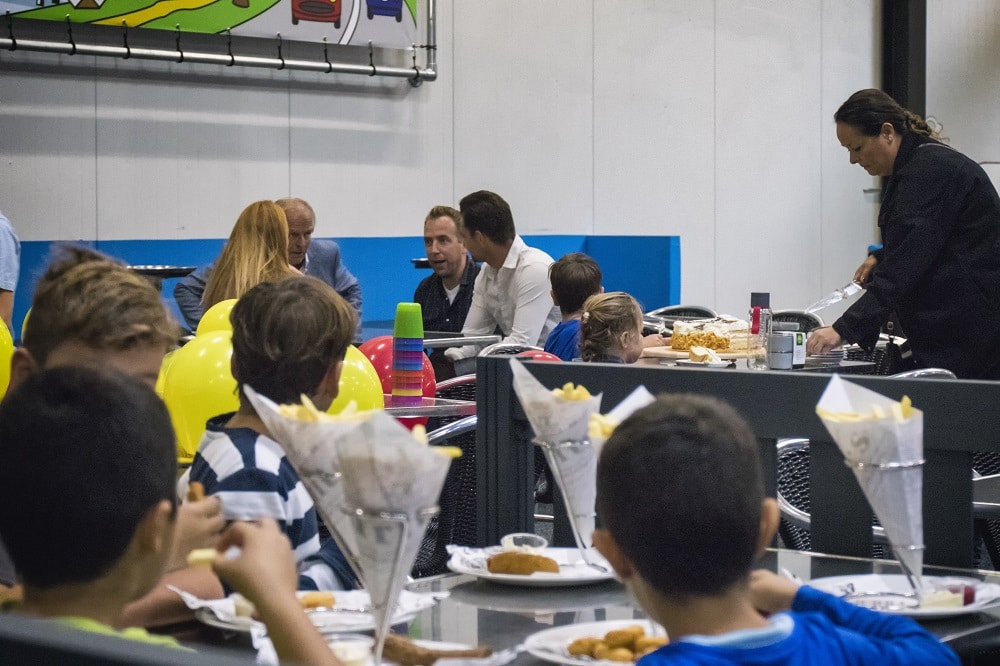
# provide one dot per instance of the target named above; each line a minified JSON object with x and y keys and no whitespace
{"x":391,"y":488}
{"x":636,"y":400}
{"x":310,"y":448}
{"x":552,"y":418}
{"x":886,"y":455}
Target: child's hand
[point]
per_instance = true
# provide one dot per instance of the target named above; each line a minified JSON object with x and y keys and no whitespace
{"x":771,"y":593}
{"x":265,"y":566}
{"x":199,"y":525}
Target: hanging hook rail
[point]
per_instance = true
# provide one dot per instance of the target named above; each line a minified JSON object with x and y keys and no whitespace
{"x":228,"y":58}
{"x":177,"y":43}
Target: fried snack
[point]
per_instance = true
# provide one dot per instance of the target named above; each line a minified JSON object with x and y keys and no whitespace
{"x":405,"y":652}
{"x":583,"y":647}
{"x":570,"y":392}
{"x":311,"y":600}
{"x":196,"y":491}
{"x":202,"y":557}
{"x":626,"y":637}
{"x":625,"y":645}
{"x":521,"y":564}
{"x":307,"y":412}
{"x":646,"y":644}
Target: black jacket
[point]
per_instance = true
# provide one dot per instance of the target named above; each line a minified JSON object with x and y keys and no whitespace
{"x":940,"y":266}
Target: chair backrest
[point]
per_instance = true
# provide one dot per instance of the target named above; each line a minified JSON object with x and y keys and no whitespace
{"x":506,"y":348}
{"x":807,"y":321}
{"x":939,"y":373}
{"x":673,"y":311}
{"x":456,"y":520}
{"x":462,"y":387}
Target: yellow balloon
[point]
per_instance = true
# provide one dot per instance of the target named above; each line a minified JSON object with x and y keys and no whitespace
{"x":24,"y":323}
{"x":199,"y":385}
{"x":216,"y":318}
{"x":6,"y":353}
{"x":161,"y":379}
{"x":358,"y":382}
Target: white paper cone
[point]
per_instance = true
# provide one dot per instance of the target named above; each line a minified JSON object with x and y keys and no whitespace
{"x":575,"y":470}
{"x":886,"y":456}
{"x":310,"y":448}
{"x":553,"y":419}
{"x":387,"y":472}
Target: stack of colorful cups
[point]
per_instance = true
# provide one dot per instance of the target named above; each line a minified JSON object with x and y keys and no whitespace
{"x":408,"y":354}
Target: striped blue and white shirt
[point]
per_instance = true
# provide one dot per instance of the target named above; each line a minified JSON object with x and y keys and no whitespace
{"x":252,"y":477}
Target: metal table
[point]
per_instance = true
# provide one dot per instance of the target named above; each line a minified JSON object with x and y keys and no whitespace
{"x":428,"y":407}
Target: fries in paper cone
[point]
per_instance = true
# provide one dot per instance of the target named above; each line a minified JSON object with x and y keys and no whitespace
{"x":602,"y":425}
{"x":883,"y":442}
{"x":553,"y":417}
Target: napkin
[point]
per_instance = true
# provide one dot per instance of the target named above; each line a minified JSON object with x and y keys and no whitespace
{"x":884,"y":446}
{"x":310,"y":447}
{"x":391,"y":486}
{"x":552,"y":418}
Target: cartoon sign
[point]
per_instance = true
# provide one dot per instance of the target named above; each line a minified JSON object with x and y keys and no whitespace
{"x":384,"y":23}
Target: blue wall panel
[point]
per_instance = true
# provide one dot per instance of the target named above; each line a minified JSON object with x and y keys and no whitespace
{"x":647,"y":267}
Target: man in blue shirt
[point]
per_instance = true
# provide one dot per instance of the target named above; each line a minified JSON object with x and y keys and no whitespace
{"x":10,"y":258}
{"x":319,"y":258}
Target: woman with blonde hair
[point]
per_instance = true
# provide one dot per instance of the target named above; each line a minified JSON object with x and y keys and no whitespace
{"x":257,"y":251}
{"x":611,"y":328}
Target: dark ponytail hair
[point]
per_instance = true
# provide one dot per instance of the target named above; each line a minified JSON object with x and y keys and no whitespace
{"x":869,"y":109}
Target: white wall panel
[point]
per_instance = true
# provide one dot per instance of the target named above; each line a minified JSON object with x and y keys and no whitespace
{"x":654,"y":148}
{"x":851,"y":38}
{"x":523,"y":109}
{"x":187,"y":154}
{"x":48,"y":148}
{"x":963,"y":74}
{"x":768,"y":59}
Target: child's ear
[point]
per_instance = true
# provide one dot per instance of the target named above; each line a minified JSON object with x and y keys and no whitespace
{"x":330,"y":384}
{"x":770,"y":516}
{"x":607,"y":547}
{"x":155,"y":531}
{"x":22,"y":366}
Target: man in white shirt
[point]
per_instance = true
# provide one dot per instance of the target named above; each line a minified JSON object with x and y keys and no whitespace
{"x":512,"y":290}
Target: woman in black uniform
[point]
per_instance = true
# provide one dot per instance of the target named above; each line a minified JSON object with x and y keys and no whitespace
{"x":939,"y":268}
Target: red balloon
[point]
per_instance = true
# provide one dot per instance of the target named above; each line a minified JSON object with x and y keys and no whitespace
{"x":539,"y":355}
{"x":379,"y":352}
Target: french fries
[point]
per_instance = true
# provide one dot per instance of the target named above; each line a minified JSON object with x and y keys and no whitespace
{"x":601,"y":425}
{"x":307,"y":412}
{"x":570,"y":392}
{"x":900,"y":411}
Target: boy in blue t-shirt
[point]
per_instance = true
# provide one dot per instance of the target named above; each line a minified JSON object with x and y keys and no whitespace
{"x":681,"y":498}
{"x":574,"y":278}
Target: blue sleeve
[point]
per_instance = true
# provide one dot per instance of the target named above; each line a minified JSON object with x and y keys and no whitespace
{"x":900,"y":640}
{"x":188,"y":293}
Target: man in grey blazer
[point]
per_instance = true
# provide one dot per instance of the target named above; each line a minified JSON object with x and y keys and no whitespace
{"x":319,"y":258}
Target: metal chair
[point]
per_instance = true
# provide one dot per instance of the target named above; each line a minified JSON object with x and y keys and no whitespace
{"x":940,"y":373}
{"x":506,"y":348}
{"x":674,"y":311}
{"x":455,"y":523}
{"x":807,"y":321}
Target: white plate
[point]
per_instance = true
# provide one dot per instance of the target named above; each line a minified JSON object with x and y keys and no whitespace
{"x":352,"y":614}
{"x":550,"y":644}
{"x":698,"y":364}
{"x":987,"y":594}
{"x":572,"y":569}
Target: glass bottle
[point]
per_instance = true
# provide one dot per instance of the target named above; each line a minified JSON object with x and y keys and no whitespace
{"x":760,"y":330}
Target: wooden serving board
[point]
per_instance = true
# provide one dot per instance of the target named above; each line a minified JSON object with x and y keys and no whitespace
{"x":669,"y":352}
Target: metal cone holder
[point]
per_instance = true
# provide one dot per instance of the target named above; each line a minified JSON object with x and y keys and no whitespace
{"x":390,"y":532}
{"x":332,"y":482}
{"x":575,"y":517}
{"x":912,"y":577}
